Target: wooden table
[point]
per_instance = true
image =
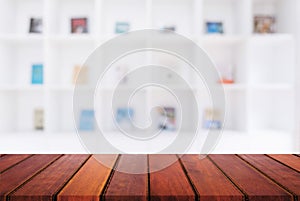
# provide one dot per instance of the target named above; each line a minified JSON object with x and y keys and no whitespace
{"x":217,"y":177}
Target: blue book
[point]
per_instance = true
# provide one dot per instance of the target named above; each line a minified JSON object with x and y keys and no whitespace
{"x":212,"y":124}
{"x":214,"y":27}
{"x":124,"y":115}
{"x":86,"y":121}
{"x":122,"y":27}
{"x":37,"y":76}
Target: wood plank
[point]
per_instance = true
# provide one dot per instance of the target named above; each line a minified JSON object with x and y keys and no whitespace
{"x":281,"y":174}
{"x":89,"y":181}
{"x":8,"y":161}
{"x":170,"y":183}
{"x":255,"y":185}
{"x":18,"y":174}
{"x":45,"y":185}
{"x":289,"y":160}
{"x":133,"y":187}
{"x":210,"y":182}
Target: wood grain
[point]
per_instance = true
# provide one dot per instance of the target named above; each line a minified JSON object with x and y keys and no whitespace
{"x":7,"y":161}
{"x":289,"y":160}
{"x":283,"y":175}
{"x":170,"y":183}
{"x":45,"y":185}
{"x":133,"y":187}
{"x":210,"y":182}
{"x":254,"y":184}
{"x":18,"y":174}
{"x":90,"y":180}
{"x":218,"y":177}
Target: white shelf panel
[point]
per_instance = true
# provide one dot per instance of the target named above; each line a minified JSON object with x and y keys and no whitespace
{"x":217,"y":39}
{"x":83,"y":38}
{"x":22,"y":88}
{"x":273,"y":87}
{"x":230,"y":142}
{"x":276,"y":37}
{"x":66,"y":88}
{"x":235,"y":87}
{"x":25,"y":38}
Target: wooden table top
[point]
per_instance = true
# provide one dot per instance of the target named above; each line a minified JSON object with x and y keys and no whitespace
{"x":216,"y":177}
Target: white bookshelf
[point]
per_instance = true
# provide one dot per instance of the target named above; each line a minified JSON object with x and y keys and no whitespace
{"x":261,"y":100}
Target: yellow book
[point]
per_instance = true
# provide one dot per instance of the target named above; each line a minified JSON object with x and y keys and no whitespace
{"x":80,"y":75}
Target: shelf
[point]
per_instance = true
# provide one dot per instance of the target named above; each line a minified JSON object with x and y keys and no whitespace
{"x":283,"y":10}
{"x":16,"y":62}
{"x":83,"y":38}
{"x":62,"y":11}
{"x":227,"y":87}
{"x":232,"y":13}
{"x":276,"y":37}
{"x":9,"y":88}
{"x":15,"y":15}
{"x":131,"y":11}
{"x":217,"y":39}
{"x":67,"y":88}
{"x":26,"y":38}
{"x":276,"y":110}
{"x":17,"y":110}
{"x":224,"y":132}
{"x":60,"y":116}
{"x":182,"y":21}
{"x":273,"y":87}
{"x":235,"y":87}
{"x":63,"y":58}
{"x":270,"y":132}
{"x":262,"y":65}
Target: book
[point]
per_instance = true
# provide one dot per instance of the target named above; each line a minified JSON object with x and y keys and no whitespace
{"x":211,"y":119}
{"x":38,"y":119}
{"x":86,"y":120}
{"x":83,"y":71}
{"x":264,"y":24}
{"x":79,"y":25}
{"x":227,"y":74}
{"x":167,"y":118}
{"x":37,"y":76}
{"x":36,"y":25}
{"x":214,"y":27}
{"x":122,"y":27}
{"x":124,"y":117}
{"x":167,"y":28}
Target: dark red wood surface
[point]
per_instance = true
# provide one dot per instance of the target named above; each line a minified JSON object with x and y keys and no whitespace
{"x":43,"y":186}
{"x":255,"y":185}
{"x":125,"y":186}
{"x":90,"y":180}
{"x":82,"y":177}
{"x":170,"y":183}
{"x":209,"y":181}
{"x":289,"y":160}
{"x":7,"y":161}
{"x":21,"y":172}
{"x":279,"y":173}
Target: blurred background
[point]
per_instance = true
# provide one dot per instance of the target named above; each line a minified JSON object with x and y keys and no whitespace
{"x":255,"y":45}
